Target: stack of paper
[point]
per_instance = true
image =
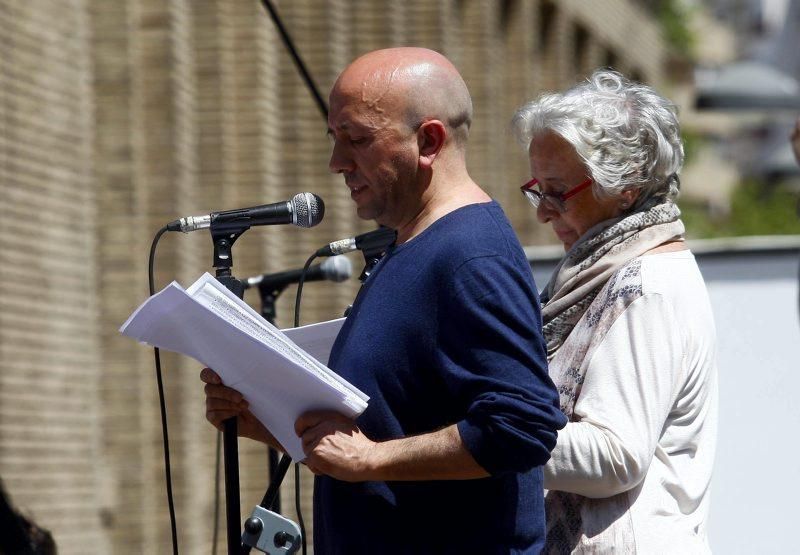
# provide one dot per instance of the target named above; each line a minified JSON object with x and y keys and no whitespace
{"x":277,"y":377}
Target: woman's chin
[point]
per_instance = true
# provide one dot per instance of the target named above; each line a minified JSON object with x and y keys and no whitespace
{"x":567,"y":239}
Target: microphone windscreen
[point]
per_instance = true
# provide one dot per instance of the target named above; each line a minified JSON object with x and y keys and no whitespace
{"x":336,"y":268}
{"x":307,"y":209}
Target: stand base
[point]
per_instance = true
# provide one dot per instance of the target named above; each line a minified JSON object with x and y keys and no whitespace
{"x":270,"y":532}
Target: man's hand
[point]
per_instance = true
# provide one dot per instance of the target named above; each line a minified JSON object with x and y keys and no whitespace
{"x":795,"y":138}
{"x":222,"y":403}
{"x":334,"y":446}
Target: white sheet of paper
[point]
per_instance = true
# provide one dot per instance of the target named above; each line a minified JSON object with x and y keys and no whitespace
{"x":316,"y":339}
{"x":276,"y":377}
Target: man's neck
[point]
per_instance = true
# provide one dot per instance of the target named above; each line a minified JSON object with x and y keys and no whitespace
{"x":439,"y":200}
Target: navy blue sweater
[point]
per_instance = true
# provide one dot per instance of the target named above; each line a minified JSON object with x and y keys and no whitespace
{"x":447,"y":331}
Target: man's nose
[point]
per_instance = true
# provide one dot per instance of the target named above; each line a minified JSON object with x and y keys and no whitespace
{"x":340,"y":161}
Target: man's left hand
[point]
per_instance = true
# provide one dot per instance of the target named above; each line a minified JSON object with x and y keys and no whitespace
{"x":335,"y":446}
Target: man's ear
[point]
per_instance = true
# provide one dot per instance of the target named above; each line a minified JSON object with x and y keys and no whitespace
{"x":430,"y":140}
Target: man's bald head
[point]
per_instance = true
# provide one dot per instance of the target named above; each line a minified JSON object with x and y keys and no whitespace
{"x":415,"y":84}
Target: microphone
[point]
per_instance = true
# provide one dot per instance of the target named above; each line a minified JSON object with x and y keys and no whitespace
{"x":304,"y":210}
{"x":334,"y":269}
{"x":373,"y":241}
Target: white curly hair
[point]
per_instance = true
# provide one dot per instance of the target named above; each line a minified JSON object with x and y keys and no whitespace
{"x":627,"y":135}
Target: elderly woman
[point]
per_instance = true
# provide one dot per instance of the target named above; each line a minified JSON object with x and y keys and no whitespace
{"x":628,"y":324}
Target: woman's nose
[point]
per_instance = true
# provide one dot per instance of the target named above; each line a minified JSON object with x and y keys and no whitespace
{"x":545,"y":212}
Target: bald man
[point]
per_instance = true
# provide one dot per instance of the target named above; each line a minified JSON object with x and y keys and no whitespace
{"x":444,"y":337}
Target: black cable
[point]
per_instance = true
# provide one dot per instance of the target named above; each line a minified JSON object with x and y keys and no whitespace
{"x":297,"y":465}
{"x":162,"y":404}
{"x":287,"y":41}
{"x":300,"y":290}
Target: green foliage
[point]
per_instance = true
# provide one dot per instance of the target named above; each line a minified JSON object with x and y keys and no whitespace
{"x":673,"y":17}
{"x":755,"y":210}
{"x":692,"y":144}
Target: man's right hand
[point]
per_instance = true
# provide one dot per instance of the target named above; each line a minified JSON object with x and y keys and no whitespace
{"x":222,"y":403}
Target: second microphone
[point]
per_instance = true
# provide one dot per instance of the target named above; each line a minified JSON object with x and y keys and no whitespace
{"x":335,"y":269}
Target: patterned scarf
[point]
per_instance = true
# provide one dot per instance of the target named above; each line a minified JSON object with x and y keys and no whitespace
{"x":593,"y":260}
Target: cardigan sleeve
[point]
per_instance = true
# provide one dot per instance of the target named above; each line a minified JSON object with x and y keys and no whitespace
{"x":630,"y":386}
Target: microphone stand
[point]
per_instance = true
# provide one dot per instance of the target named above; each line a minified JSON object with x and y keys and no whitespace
{"x":268,"y":296}
{"x":264,"y":529}
{"x":224,"y":235}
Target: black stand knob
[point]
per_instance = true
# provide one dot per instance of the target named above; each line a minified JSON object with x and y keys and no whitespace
{"x":253,"y":525}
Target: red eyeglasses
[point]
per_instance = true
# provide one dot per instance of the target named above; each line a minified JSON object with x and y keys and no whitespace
{"x":555,"y":201}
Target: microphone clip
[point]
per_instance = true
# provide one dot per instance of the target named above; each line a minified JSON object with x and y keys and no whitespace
{"x":223,"y":238}
{"x":373,"y":246}
{"x":370,"y":261}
